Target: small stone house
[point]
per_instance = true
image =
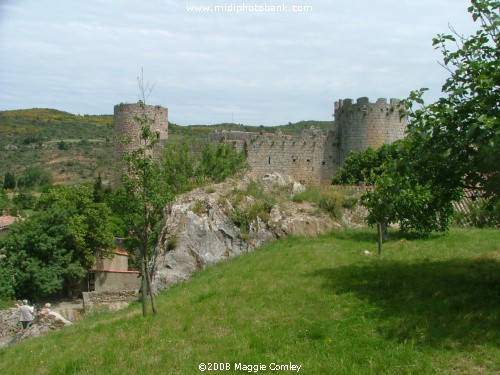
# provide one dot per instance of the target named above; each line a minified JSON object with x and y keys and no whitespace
{"x":111,"y":273}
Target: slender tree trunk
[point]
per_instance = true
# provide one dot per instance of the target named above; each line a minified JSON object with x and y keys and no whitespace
{"x":151,"y":294}
{"x":380,"y":237}
{"x":146,"y":245}
{"x":144,"y":288}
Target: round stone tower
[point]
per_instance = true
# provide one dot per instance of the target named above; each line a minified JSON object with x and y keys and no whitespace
{"x":364,"y":124}
{"x":128,"y":128}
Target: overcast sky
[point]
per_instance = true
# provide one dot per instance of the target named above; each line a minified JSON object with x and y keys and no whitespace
{"x":83,"y":56}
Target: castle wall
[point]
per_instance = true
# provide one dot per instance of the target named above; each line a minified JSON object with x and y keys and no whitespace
{"x":364,"y":124}
{"x":128,"y":128}
{"x":307,"y":157}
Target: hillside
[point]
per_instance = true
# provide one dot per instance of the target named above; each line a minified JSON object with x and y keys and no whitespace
{"x":429,"y":306}
{"x":75,"y":148}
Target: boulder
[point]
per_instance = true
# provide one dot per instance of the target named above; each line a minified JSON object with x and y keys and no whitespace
{"x":199,"y":230}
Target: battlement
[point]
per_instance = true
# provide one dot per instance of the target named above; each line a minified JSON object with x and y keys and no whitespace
{"x":364,"y":104}
{"x":365,"y":124}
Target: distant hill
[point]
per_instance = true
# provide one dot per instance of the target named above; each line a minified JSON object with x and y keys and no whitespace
{"x":75,"y":148}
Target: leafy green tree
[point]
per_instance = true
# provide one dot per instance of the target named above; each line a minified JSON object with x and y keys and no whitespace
{"x":463,"y":126}
{"x":365,"y":166}
{"x":61,"y":145}
{"x":34,"y":177}
{"x":452,"y":143}
{"x":53,"y":248}
{"x":177,"y":169}
{"x":24,"y":200}
{"x":142,"y":182}
{"x":9,"y":181}
{"x":98,"y":191}
{"x":4,"y":201}
{"x":218,"y":163}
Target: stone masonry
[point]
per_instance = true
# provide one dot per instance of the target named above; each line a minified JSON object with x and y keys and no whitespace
{"x":363,"y":124}
{"x":127,"y":126}
{"x":314,"y":155}
{"x":310,"y":157}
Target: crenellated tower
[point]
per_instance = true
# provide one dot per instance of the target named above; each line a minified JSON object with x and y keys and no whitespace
{"x":363,"y":124}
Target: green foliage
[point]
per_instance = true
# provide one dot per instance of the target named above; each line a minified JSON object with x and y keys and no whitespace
{"x":331,"y":202}
{"x":54,"y":246}
{"x":418,"y":207}
{"x":4,"y":201}
{"x":172,"y":243}
{"x":452,"y":143}
{"x":9,"y":181}
{"x":61,"y":145}
{"x":7,"y":279}
{"x":463,"y":125}
{"x":482,"y":214}
{"x":178,"y":168}
{"x":245,"y":214}
{"x":329,"y":199}
{"x":364,"y":166}
{"x":24,"y":200}
{"x":98,"y":191}
{"x":34,"y":177}
{"x":218,"y":163}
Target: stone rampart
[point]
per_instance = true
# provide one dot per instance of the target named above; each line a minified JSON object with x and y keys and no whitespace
{"x":361,"y":125}
{"x":128,"y":125}
{"x":307,"y":157}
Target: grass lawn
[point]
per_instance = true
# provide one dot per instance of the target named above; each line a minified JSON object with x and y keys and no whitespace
{"x":427,"y":307}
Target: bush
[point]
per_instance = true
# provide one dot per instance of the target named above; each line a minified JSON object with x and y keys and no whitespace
{"x":331,"y":201}
{"x":24,"y":200}
{"x":482,"y":214}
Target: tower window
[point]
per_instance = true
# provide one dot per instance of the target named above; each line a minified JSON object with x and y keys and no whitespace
{"x":269,"y":160}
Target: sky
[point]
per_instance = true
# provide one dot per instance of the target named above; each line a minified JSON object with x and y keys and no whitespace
{"x":245,"y":65}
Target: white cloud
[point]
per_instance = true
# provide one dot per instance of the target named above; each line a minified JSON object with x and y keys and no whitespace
{"x":261,"y":68}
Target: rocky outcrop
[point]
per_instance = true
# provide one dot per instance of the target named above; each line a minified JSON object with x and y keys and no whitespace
{"x":9,"y":321}
{"x":43,"y":323}
{"x":200,"y":226}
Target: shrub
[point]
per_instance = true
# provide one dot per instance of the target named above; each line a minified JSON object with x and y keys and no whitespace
{"x":331,"y":201}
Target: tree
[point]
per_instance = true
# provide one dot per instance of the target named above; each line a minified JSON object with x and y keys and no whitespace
{"x":464,"y":124}
{"x":177,"y":169}
{"x":98,"y":191}
{"x":9,"y":181}
{"x":218,"y":163}
{"x":4,"y":201}
{"x":33,"y":177}
{"x":365,"y":166}
{"x":51,"y":249}
{"x":141,"y":182}
{"x":453,"y":143}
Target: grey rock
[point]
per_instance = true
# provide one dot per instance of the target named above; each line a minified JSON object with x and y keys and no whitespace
{"x":205,"y":234}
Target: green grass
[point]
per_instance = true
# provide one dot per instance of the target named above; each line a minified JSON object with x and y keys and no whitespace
{"x":428,"y":306}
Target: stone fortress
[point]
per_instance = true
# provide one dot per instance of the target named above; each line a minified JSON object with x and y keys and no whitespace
{"x":315,"y":155}
{"x":310,"y":157}
{"x":127,"y":126}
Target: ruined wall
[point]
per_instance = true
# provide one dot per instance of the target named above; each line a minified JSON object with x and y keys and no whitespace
{"x":126,"y":126}
{"x":307,"y":158}
{"x":364,"y":124}
{"x":106,"y":281}
{"x":314,"y":155}
{"x":96,"y":301}
{"x":118,"y":261}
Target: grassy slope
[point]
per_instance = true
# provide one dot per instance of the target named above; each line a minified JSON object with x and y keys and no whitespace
{"x":430,"y":306}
